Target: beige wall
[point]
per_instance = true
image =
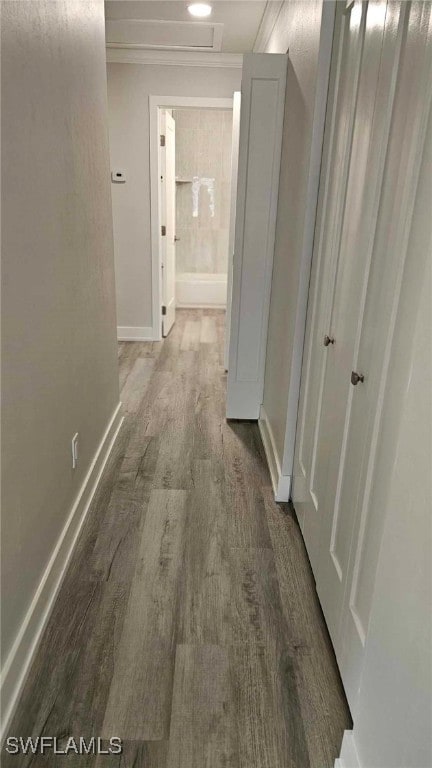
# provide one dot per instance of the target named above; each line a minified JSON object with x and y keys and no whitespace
{"x":59,"y":369}
{"x":129,"y":86}
{"x":203,"y":150}
{"x":298,"y":29}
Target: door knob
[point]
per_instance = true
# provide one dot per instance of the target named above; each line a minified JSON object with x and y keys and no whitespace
{"x":356,"y":377}
{"x":328,"y":340}
{"x":176,"y":238}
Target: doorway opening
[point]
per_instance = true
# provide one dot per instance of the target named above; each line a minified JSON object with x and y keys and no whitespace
{"x":203,"y":177}
{"x":194,"y":148}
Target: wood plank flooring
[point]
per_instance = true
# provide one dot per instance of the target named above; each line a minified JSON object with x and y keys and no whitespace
{"x":187,"y":623}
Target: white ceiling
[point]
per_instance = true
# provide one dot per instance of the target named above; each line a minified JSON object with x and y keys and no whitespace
{"x":240,"y":18}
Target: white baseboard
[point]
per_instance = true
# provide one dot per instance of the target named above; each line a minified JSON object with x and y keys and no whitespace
{"x":349,"y":756}
{"x":281,"y":483}
{"x":135,"y":333}
{"x":24,"y":648}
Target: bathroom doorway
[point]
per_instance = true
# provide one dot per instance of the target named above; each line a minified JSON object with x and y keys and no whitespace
{"x":204,"y":181}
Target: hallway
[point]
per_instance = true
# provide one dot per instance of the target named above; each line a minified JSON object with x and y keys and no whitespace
{"x":187,"y":623}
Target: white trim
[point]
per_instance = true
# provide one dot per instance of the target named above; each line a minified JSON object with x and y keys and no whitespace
{"x":155,"y":104}
{"x":281,"y":483}
{"x":349,"y":757}
{"x":267,"y":25}
{"x":136,"y":24}
{"x":135,"y":333}
{"x":18,"y":662}
{"x":174,"y":58}
{"x":324,"y":60}
{"x":154,"y":116}
{"x":235,"y":146}
{"x":200,"y":102}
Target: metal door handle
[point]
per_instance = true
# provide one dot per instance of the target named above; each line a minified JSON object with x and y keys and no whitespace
{"x":356,"y":377}
{"x":328,"y":340}
{"x":176,"y":238}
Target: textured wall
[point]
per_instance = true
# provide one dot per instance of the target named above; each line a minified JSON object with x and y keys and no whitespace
{"x":129,"y":86}
{"x":203,"y":154}
{"x":59,"y":357}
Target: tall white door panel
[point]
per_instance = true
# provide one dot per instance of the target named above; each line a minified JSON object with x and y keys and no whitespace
{"x":361,"y":256}
{"x":261,"y":123}
{"x":310,"y":478}
{"x":383,"y":346}
{"x":383,"y":35}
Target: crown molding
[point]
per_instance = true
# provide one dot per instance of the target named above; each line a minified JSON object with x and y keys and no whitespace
{"x":267,"y":25}
{"x":129,"y":55}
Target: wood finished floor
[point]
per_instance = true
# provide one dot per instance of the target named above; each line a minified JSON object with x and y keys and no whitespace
{"x":188,"y":622}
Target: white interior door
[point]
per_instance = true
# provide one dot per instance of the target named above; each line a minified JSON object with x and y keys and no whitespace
{"x":261,"y":123}
{"x":234,"y":172}
{"x":361,"y":204}
{"x":309,"y":472}
{"x":168,"y":219}
{"x":363,"y":229}
{"x":399,"y":244}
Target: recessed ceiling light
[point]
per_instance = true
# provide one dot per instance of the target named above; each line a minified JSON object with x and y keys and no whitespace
{"x":200,"y":9}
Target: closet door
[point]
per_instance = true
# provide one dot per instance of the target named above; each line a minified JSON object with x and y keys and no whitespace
{"x":355,"y":290}
{"x":383,"y":345}
{"x":383,"y":36}
{"x":309,"y":483}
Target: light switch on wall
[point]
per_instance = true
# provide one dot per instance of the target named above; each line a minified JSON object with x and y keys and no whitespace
{"x":118,"y":176}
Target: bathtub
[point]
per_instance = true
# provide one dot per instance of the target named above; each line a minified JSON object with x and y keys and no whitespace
{"x":200,"y":289}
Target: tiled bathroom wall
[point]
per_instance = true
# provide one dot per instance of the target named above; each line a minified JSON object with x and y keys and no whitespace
{"x":203,"y":173}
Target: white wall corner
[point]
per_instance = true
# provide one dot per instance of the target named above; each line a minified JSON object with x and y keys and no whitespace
{"x":21,"y":655}
{"x":135,"y":333}
{"x":349,"y":756}
{"x":281,"y":483}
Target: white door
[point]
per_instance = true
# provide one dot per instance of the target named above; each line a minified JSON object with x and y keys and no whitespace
{"x":361,"y":205}
{"x":383,"y":339}
{"x":168,"y":219}
{"x":309,"y":473}
{"x":261,"y":123}
{"x":234,"y":171}
{"x":360,"y":258}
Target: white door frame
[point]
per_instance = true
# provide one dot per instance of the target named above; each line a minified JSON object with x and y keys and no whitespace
{"x":167,"y":195}
{"x":234,"y":173}
{"x":156,"y":103}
